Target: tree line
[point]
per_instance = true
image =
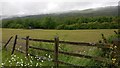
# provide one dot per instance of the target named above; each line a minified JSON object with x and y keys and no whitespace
{"x":67,"y":23}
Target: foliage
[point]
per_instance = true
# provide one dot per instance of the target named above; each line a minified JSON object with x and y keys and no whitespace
{"x":61,"y":22}
{"x":112,"y":37}
{"x":19,"y":59}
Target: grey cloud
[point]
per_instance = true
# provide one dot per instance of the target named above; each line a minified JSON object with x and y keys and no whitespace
{"x":34,"y":7}
{"x":28,"y":8}
{"x":75,"y":5}
{"x":110,"y":3}
{"x":8,"y":8}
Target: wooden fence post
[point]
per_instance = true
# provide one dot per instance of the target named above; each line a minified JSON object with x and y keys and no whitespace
{"x":104,"y":39}
{"x":15,"y":42}
{"x":56,"y":51}
{"x":8,"y":42}
{"x":104,"y":50}
{"x":27,"y":45}
{"x":116,"y":32}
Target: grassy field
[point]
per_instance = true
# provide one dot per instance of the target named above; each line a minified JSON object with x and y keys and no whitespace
{"x":71,"y":35}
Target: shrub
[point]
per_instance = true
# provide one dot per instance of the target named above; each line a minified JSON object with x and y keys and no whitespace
{"x":110,"y":38}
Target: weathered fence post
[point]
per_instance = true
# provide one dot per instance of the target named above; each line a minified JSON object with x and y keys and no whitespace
{"x":116,"y":32}
{"x":104,"y":39}
{"x":15,"y":42}
{"x":27,"y":45}
{"x":105,"y":51}
{"x":56,"y":51}
{"x":8,"y":42}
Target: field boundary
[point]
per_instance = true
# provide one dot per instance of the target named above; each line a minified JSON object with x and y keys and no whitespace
{"x":56,"y":51}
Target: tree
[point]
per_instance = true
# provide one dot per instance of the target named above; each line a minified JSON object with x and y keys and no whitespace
{"x":48,"y":23}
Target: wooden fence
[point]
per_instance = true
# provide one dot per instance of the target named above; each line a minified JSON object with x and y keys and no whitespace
{"x":115,"y":47}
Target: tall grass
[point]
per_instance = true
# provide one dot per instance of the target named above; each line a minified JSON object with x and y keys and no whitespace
{"x":93,"y":51}
{"x":19,"y":59}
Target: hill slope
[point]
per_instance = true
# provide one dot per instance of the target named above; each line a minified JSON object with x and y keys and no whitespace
{"x":103,"y":11}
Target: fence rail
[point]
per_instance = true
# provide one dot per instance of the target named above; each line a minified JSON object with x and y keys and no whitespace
{"x":100,"y":45}
{"x":72,"y":54}
{"x":64,"y":42}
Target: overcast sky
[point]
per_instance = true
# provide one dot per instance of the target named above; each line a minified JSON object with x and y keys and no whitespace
{"x":29,"y":7}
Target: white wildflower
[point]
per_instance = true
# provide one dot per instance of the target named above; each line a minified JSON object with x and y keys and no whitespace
{"x":2,"y":63}
{"x":37,"y":64}
{"x":40,"y":64}
{"x":49,"y":56}
{"x":14,"y":55}
{"x":21,"y":59}
{"x":18,"y":57}
{"x":25,"y":57}
{"x":18,"y":49}
{"x":9,"y":61}
{"x":30,"y":56}
{"x":28,"y":64}
{"x":12,"y":58}
{"x":17,"y":62}
{"x":25,"y":65}
{"x":41,"y":60}
{"x":21,"y":64}
{"x":37,"y":59}
{"x":30,"y":61}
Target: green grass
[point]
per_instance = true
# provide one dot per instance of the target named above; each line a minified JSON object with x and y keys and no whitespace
{"x":20,"y":60}
{"x":70,"y":35}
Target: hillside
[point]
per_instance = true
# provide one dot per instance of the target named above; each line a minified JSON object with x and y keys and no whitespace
{"x":99,"y":18}
{"x":101,"y":11}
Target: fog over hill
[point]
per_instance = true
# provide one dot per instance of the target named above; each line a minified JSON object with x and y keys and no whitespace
{"x":22,"y":8}
{"x":101,"y":11}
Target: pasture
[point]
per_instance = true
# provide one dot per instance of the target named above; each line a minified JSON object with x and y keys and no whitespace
{"x":93,"y":35}
{"x":69,"y":35}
